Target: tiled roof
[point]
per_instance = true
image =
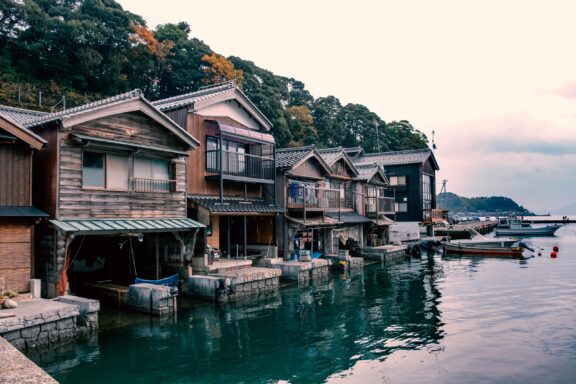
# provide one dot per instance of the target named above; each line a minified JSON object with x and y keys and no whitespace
{"x":414,"y":156}
{"x":19,"y":115}
{"x":236,"y":205}
{"x":287,"y":157}
{"x":366,"y":171}
{"x":349,"y":217}
{"x":331,"y":155}
{"x":203,"y":94}
{"x":48,"y":117}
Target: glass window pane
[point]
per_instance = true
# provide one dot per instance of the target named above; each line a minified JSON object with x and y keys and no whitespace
{"x":160,"y":170}
{"x":93,"y":169}
{"x":116,"y":172}
{"x":142,"y":168}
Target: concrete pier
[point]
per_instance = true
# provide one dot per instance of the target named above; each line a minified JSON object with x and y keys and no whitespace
{"x":234,"y":283}
{"x":301,"y":271}
{"x":385,"y":253}
{"x":345,"y":262}
{"x":17,"y":368}
{"x":40,"y":323}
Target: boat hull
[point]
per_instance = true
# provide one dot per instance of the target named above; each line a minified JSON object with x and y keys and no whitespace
{"x":482,"y":250}
{"x":544,"y":231}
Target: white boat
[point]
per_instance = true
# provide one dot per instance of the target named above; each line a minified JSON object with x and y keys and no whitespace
{"x":483,"y":246}
{"x":513,"y":226}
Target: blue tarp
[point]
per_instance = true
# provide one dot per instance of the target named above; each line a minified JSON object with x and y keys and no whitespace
{"x":171,"y":281}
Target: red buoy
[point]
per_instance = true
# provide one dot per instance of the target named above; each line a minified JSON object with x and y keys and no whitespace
{"x":553,"y":254}
{"x":555,"y":248}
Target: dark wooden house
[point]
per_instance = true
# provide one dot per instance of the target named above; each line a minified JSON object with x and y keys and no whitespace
{"x":373,"y":201}
{"x":231,"y":180}
{"x":113,"y":180}
{"x":18,"y":145}
{"x":412,"y":177}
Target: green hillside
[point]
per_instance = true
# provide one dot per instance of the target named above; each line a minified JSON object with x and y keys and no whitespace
{"x":493,"y":204}
{"x":69,"y":52}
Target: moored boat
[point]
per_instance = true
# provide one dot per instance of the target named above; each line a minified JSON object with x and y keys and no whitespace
{"x":493,"y":249}
{"x":513,"y":226}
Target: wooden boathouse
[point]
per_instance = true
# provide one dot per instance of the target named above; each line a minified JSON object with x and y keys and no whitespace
{"x":18,"y":216}
{"x":113,"y":180}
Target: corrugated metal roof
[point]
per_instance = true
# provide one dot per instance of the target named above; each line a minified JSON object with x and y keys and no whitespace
{"x":349,"y":217}
{"x":236,"y":205}
{"x":414,"y":156}
{"x":22,"y":212}
{"x":110,"y":226}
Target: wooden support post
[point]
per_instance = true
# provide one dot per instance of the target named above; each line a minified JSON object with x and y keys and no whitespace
{"x":245,"y":237}
{"x":157,"y":256}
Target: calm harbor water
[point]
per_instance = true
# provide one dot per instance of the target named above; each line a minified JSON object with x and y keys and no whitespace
{"x":434,"y":320}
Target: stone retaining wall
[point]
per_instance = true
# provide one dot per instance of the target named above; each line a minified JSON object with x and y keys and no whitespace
{"x":42,"y":323}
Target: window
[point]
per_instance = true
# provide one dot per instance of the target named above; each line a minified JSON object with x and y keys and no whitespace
{"x":93,"y":172}
{"x":111,"y":171}
{"x":427,"y":191}
{"x":397,"y":180}
{"x":117,"y":172}
{"x":151,"y":175}
{"x":401,"y":207}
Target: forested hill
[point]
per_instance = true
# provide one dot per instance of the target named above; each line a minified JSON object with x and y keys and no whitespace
{"x":69,"y":52}
{"x":493,"y":204}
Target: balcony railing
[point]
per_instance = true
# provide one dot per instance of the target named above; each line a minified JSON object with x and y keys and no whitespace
{"x":379,"y":205}
{"x":152,"y":185}
{"x":240,"y":164}
{"x":312,"y":198}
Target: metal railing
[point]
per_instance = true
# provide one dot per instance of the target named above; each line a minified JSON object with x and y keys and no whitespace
{"x":307,"y":197}
{"x":152,"y":185}
{"x":379,"y":205}
{"x":240,"y":164}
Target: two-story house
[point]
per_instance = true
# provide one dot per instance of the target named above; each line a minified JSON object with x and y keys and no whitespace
{"x":231,"y":178}
{"x":372,"y":201}
{"x":17,"y":214}
{"x":113,"y":180}
{"x":303,"y":186}
{"x":412,"y":177}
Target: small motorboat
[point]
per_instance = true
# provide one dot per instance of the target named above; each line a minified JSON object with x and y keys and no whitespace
{"x":484,"y":249}
{"x":514,"y":226}
{"x":483,"y":246}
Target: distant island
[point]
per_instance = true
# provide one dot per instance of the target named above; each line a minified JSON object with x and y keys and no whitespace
{"x":484,"y":205}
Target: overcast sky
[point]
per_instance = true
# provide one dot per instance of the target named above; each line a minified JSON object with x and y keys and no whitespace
{"x":496,"y":80}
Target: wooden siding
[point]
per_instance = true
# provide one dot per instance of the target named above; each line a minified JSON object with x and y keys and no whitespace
{"x":310,"y":168}
{"x":132,"y":127}
{"x":214,"y":239}
{"x":15,"y":174}
{"x":197,"y":182}
{"x":412,"y":191}
{"x":45,"y":170}
{"x":15,"y":256}
{"x":341,"y":169}
{"x":74,"y":201}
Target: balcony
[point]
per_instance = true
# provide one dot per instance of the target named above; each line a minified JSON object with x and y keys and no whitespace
{"x":434,"y":215}
{"x":308,"y":198}
{"x":240,"y":166}
{"x":378,"y":206}
{"x":152,"y":185}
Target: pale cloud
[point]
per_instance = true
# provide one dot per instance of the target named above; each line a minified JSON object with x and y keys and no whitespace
{"x":495,"y":79}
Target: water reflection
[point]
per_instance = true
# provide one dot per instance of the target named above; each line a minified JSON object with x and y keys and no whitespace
{"x":302,"y":334}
